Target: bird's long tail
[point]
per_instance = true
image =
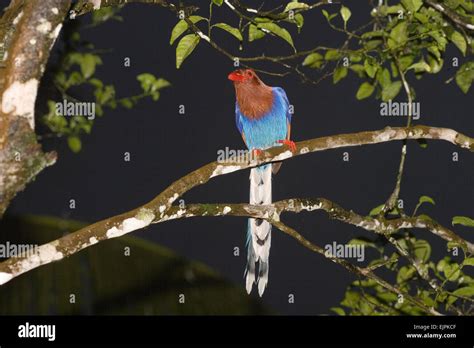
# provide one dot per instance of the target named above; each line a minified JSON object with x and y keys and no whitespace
{"x":259,"y":231}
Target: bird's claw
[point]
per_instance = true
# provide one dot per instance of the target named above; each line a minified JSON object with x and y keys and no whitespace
{"x":288,"y":143}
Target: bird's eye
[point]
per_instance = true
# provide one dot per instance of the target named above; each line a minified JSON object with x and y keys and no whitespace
{"x":249,"y":73}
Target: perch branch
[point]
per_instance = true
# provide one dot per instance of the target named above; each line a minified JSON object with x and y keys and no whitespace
{"x":157,"y":209}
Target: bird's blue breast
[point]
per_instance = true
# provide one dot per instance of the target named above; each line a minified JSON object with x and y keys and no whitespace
{"x":265,"y":131}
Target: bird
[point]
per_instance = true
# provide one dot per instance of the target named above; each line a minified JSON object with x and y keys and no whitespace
{"x":263,"y":118}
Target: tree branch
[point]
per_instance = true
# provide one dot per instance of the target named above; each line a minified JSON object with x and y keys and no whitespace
{"x":83,"y":238}
{"x":364,"y":272}
{"x":29,"y":30}
{"x":451,"y":15}
{"x":142,"y":217}
{"x":84,"y":6}
{"x":393,"y":199}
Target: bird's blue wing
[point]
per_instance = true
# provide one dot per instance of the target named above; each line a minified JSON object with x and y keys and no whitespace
{"x":238,"y":119}
{"x":281,"y":92}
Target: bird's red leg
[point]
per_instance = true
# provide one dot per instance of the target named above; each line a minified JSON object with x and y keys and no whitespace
{"x":256,"y":153}
{"x":288,"y":143}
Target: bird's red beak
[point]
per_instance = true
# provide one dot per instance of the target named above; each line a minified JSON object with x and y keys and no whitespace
{"x":236,"y":76}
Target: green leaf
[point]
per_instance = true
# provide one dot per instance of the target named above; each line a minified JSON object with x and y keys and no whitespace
{"x":370,"y":68}
{"x":293,"y":5}
{"x":182,"y":26}
{"x":96,"y":83}
{"x":299,"y":20}
{"x":231,"y":30}
{"x":465,"y":76}
{"x":346,"y":14}
{"x":99,"y":110}
{"x":74,"y":143}
{"x":88,"y":64}
{"x":398,"y":35}
{"x":373,"y":34}
{"x":159,"y":84}
{"x":255,"y":33}
{"x":452,"y":244}
{"x":422,"y":18}
{"x":104,"y":14}
{"x":467,"y":5}
{"x":155,"y":95}
{"x":313,"y":60}
{"x":439,"y":36}
{"x":442,"y":264}
{"x":364,"y":242}
{"x":151,"y":84}
{"x":458,"y":39}
{"x":463,"y":220}
{"x":377,"y":210}
{"x":355,"y":56}
{"x":339,"y":74}
{"x":60,"y":78}
{"x":420,"y":67}
{"x":405,"y":61}
{"x":394,"y":69}
{"x":351,"y":299}
{"x":358,"y":69}
{"x":74,"y":79}
{"x":126,"y":103}
{"x":383,"y":78}
{"x":178,"y":30}
{"x":328,"y":16}
{"x":217,"y":2}
{"x":467,"y":291}
{"x":422,"y":250}
{"x":468,"y":261}
{"x":426,"y":298}
{"x":412,"y":5}
{"x":426,"y":199}
{"x":452,"y":272}
{"x":105,"y":95}
{"x":386,"y":10}
{"x":405,"y":273}
{"x":185,"y":47}
{"x":146,"y":81}
{"x":391,"y":91}
{"x":278,"y":31}
{"x":425,"y":217}
{"x":365,"y":90}
{"x":435,"y":64}
{"x":338,"y":310}
{"x":332,"y":55}
{"x":387,"y":296}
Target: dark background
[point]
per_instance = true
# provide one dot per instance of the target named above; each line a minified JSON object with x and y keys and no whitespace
{"x":165,"y":145}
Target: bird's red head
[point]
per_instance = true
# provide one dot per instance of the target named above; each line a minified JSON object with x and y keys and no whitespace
{"x":243,"y":75}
